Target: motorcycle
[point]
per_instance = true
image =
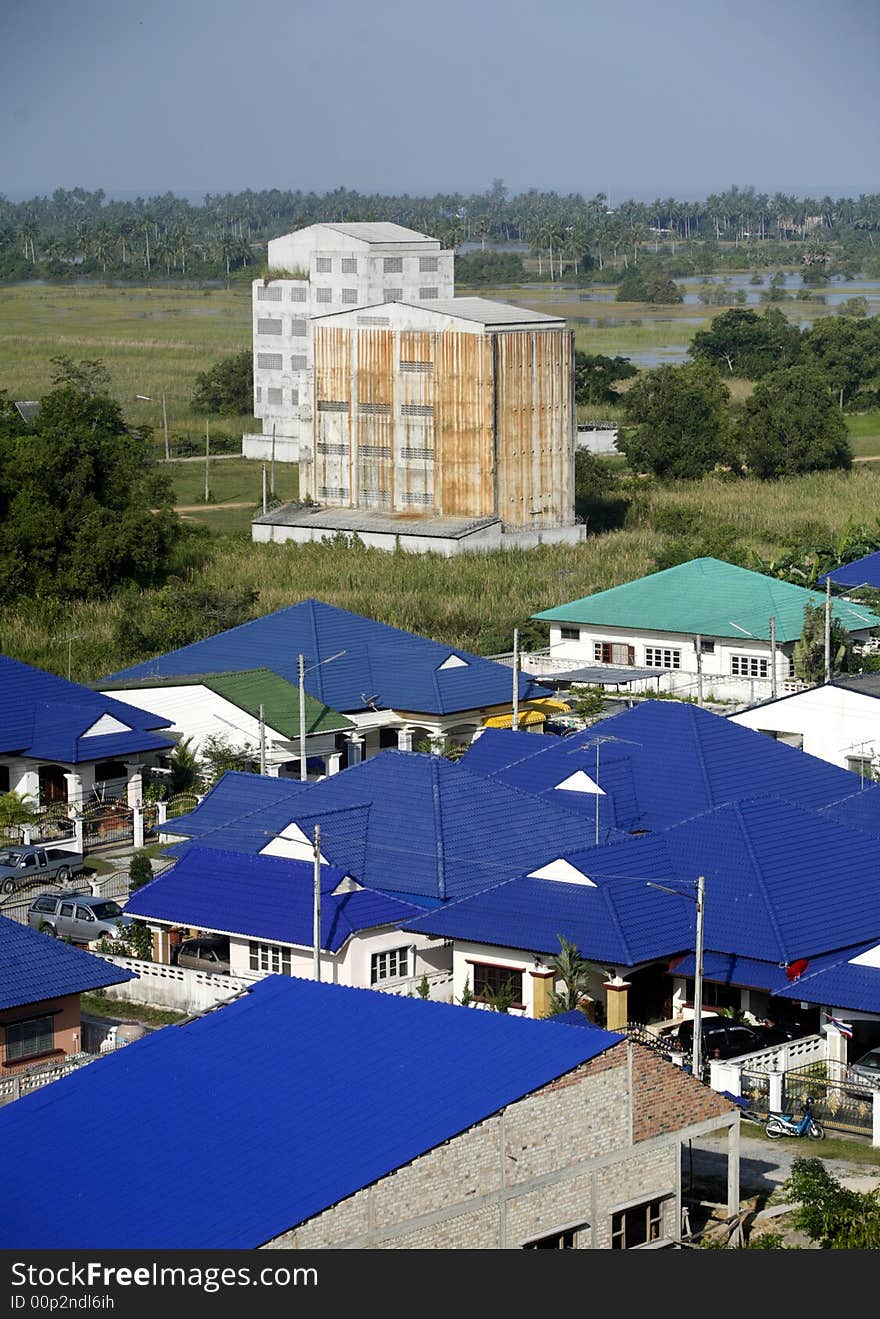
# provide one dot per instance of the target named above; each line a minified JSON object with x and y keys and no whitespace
{"x":786,"y":1124}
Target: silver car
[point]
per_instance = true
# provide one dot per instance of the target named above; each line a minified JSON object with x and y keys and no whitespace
{"x":77,"y":916}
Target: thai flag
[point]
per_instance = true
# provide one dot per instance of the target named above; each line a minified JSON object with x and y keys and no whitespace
{"x":842,"y":1027}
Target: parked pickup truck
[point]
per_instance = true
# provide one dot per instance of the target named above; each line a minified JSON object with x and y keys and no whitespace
{"x":20,"y":866}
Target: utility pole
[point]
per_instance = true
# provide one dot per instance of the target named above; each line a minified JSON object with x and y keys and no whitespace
{"x":317,"y":907}
{"x":272,"y":468}
{"x":514,"y":721}
{"x":262,"y":742}
{"x":165,"y":426}
{"x":773,"y":655}
{"x":264,"y":489}
{"x":207,"y":457}
{"x":697,"y":1063}
{"x":698,"y":646}
{"x":301,"y":667}
{"x":828,"y":629}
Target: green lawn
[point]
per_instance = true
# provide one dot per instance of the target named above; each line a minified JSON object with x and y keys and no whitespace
{"x":101,"y":1005}
{"x":231,"y":481}
{"x":864,"y":433}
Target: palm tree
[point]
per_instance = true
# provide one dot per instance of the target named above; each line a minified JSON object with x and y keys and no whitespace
{"x":574,"y":971}
{"x":185,"y":766}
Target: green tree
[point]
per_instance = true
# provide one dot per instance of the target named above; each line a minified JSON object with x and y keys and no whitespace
{"x":809,"y":649}
{"x":745,"y":344}
{"x":226,"y":388}
{"x":595,"y":375}
{"x":89,"y":374}
{"x":677,"y":422}
{"x":847,"y":351}
{"x":598,"y":500}
{"x":185,"y":766}
{"x":828,"y":1212}
{"x":179,"y":614}
{"x":140,"y":870}
{"x":218,"y":755}
{"x":16,"y":809}
{"x":83,"y":506}
{"x":574,"y":972}
{"x":791,"y":425}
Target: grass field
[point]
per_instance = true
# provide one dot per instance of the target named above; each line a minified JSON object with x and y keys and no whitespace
{"x":236,"y":489}
{"x":150,"y":339}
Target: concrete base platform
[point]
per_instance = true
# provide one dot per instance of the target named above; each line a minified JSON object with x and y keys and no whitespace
{"x":416,"y":534}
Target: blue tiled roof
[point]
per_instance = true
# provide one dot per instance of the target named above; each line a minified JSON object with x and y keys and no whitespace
{"x":382,"y":666}
{"x":838,"y":982}
{"x":860,"y":809}
{"x":34,"y":967}
{"x":669,"y":761}
{"x":782,"y":883}
{"x":404,"y":823}
{"x":262,"y":897}
{"x":861,"y":572}
{"x":298,"y":1094}
{"x":728,"y":969}
{"x":45,"y":717}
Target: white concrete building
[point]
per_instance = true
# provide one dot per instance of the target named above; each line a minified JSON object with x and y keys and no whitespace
{"x":321,"y":269}
{"x":838,"y":722}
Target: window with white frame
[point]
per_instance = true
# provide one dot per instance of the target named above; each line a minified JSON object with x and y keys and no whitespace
{"x":392,"y":295}
{"x":749,"y":666}
{"x":393,"y":265}
{"x":349,"y":296}
{"x":393,"y":964}
{"x":570,"y":634}
{"x":269,"y":293}
{"x":269,"y":361}
{"x":428,"y":293}
{"x":299,"y":293}
{"x":428,"y":264}
{"x":323,"y":295}
{"x":349,"y":265}
{"x":323,"y":264}
{"x":269,"y":957}
{"x":662,"y":657}
{"x":28,"y":1039}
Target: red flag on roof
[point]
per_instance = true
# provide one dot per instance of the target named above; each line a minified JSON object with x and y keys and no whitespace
{"x":796,"y":969}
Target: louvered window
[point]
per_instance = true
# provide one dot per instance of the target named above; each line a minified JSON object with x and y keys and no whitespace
{"x":267,"y":326}
{"x":375,"y":409}
{"x":323,"y":264}
{"x":393,"y":265}
{"x":269,"y":293}
{"x":349,"y":295}
{"x":299,"y":327}
{"x":323,"y":295}
{"x":275,"y":397}
{"x":269,"y":361}
{"x":417,"y":410}
{"x":428,"y":264}
{"x":298,"y":362}
{"x":417,"y":367}
{"x":332,"y":405}
{"x":349,"y":265}
{"x":427,"y":294}
{"x":299,"y":294}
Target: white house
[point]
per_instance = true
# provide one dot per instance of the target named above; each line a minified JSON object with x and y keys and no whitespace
{"x":838,"y":721}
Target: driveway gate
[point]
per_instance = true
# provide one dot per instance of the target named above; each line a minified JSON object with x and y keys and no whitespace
{"x":106,"y":823}
{"x":838,"y":1105}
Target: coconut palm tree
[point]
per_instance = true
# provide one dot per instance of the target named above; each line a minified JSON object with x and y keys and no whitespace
{"x":574,"y":971}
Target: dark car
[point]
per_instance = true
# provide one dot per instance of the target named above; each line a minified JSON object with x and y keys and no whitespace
{"x":210,"y":952}
{"x":731,"y":1038}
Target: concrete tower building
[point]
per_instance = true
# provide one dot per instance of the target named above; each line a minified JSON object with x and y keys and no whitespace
{"x":326,"y":268}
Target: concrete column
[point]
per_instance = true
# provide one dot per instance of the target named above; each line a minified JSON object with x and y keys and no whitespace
{"x":135,"y":783}
{"x":405,"y":738}
{"x":162,"y":808}
{"x":355,"y":749}
{"x":78,"y":833}
{"x":333,"y":762}
{"x":438,"y":743}
{"x":138,"y":824}
{"x":725,"y":1076}
{"x":616,"y":1003}
{"x":835,"y":1053}
{"x":733,"y":1169}
{"x":542,"y":988}
{"x":74,"y":790}
{"x":30,"y":785}
{"x":775,"y":1097}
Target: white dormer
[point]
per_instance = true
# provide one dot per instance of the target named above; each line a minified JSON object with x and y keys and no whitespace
{"x":563,"y":872}
{"x":292,"y":843}
{"x":106,"y":726}
{"x":346,"y":885}
{"x":870,"y":957}
{"x":452,"y":662}
{"x":580,"y":781}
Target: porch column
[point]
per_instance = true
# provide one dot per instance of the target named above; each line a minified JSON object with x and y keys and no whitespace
{"x":405,"y":738}
{"x":333,"y":762}
{"x":355,"y":749}
{"x":616,"y":1003}
{"x":542,"y":988}
{"x":135,"y":782}
{"x":162,"y":811}
{"x":74,"y":790}
{"x":835,"y":1053}
{"x":733,"y":1168}
{"x":439,"y":743}
{"x":138,"y":826}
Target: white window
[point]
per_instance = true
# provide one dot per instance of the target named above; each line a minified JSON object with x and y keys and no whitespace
{"x":323,"y":264}
{"x":390,"y":965}
{"x":425,"y":294}
{"x":614,"y":652}
{"x":299,"y":327}
{"x":661,"y":657}
{"x":298,"y":362}
{"x":393,"y":265}
{"x":299,"y":293}
{"x":274,"y":397}
{"x":349,"y":295}
{"x":323,"y":295}
{"x":349,"y":265}
{"x":392,"y":295}
{"x":428,"y":264}
{"x":748,"y":666}
{"x":269,"y":293}
{"x":267,"y":326}
{"x":269,"y":361}
{"x":269,"y":957}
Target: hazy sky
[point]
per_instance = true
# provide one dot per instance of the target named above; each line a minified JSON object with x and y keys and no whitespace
{"x":629,"y":97}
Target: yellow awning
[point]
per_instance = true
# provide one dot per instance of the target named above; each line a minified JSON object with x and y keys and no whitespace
{"x":527,"y":718}
{"x":549,"y":706}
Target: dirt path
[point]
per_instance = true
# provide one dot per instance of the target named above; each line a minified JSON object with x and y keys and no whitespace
{"x":210,"y":508}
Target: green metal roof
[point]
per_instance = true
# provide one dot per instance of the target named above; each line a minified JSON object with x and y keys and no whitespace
{"x":249,"y":689}
{"x":709,"y":597}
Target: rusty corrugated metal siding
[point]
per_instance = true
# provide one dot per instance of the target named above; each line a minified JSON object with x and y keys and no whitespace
{"x":373,"y":404}
{"x":534,"y":428}
{"x":331,"y":481}
{"x":464,"y":405}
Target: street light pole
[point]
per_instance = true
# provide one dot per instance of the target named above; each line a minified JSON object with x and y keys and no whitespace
{"x":316,"y":951}
{"x":302,"y":671}
{"x":700,"y":900}
{"x":828,"y":628}
{"x":514,"y":720}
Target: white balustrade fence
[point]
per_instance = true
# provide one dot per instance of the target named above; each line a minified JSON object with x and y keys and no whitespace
{"x":175,"y":987}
